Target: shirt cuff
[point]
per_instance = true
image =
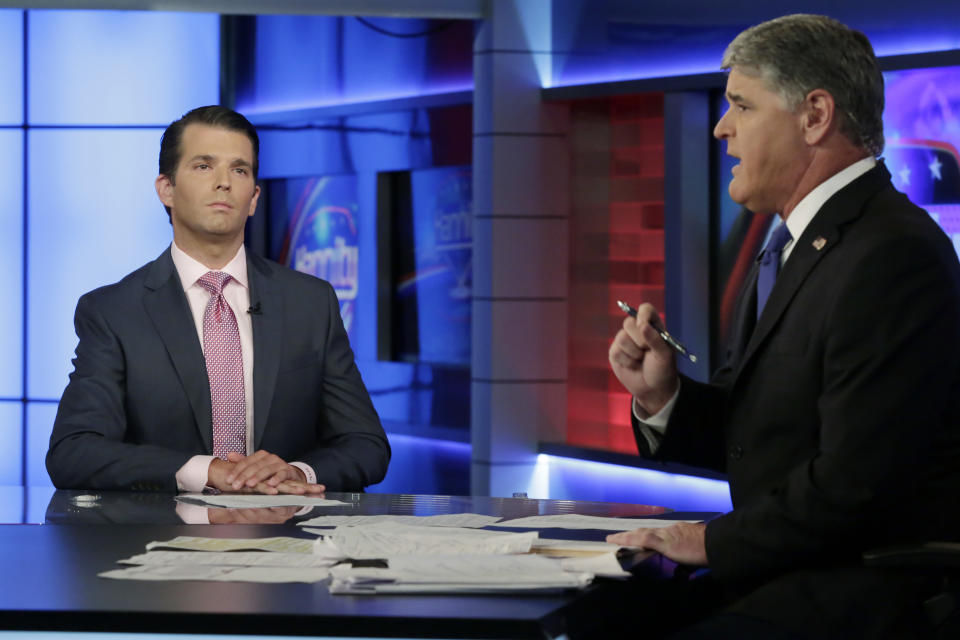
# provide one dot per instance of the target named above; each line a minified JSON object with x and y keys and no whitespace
{"x":192,"y":476}
{"x":193,"y":513}
{"x":307,"y":471}
{"x":653,"y":427}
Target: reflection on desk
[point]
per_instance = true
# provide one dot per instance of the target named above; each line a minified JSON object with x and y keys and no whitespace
{"x":124,"y":507}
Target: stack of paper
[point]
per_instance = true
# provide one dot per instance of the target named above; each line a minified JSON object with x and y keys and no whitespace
{"x":432,"y":554}
{"x":457,"y":574}
{"x":579,"y":521}
{"x":277,"y":559}
{"x":193,"y":543}
{"x":388,"y":539}
{"x":463,"y":520}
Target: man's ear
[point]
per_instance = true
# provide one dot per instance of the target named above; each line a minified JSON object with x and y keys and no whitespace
{"x":253,"y":202}
{"x":164,"y":189}
{"x":819,"y":115}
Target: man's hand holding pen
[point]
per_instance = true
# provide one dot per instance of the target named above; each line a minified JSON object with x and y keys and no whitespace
{"x":643,"y":362}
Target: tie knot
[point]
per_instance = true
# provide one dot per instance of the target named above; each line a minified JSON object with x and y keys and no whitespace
{"x":214,"y":281}
{"x":778,"y":240}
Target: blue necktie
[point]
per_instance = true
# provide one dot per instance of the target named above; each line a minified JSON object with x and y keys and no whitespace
{"x":770,"y":264}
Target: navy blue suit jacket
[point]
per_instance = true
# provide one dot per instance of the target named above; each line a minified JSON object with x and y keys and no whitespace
{"x":137,"y":405}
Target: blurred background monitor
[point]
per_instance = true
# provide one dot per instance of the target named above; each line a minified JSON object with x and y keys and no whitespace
{"x":425,"y":265}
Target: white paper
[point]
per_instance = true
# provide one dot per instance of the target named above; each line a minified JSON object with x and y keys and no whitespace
{"x":258,"y":500}
{"x":388,"y":539}
{"x":231,"y":558}
{"x":464,"y":520}
{"x":193,"y":543}
{"x":578,"y":521}
{"x":457,"y":573}
{"x":218,"y":574}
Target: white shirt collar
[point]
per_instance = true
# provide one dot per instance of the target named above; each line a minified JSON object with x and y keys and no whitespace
{"x":811,"y":203}
{"x":191,"y":270}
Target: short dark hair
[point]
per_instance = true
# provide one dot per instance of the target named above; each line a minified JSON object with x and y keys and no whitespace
{"x":214,"y":116}
{"x":799,"y":53}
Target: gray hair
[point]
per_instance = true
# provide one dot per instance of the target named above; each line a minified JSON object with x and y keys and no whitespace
{"x":799,"y":53}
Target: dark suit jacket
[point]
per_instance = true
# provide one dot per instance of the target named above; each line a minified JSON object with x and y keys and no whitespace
{"x":137,"y":406}
{"x":837,"y":417}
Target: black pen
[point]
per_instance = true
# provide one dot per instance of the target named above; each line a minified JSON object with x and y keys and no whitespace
{"x":669,"y":339}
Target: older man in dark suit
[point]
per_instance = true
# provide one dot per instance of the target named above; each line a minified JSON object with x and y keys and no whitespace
{"x":837,"y":414}
{"x":211,"y":367}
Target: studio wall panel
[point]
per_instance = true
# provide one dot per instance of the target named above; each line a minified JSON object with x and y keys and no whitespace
{"x":309,"y":61}
{"x":11,"y":261}
{"x":120,"y":67}
{"x":94,"y":217}
{"x":11,"y":445}
{"x":11,"y":71}
{"x":40,"y":417}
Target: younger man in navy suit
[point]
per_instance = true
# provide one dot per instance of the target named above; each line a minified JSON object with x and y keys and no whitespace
{"x":212,"y":367}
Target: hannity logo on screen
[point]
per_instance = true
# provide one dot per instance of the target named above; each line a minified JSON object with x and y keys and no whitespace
{"x":324,"y":243}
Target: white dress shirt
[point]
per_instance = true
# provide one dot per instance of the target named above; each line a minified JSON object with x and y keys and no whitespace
{"x":796,"y":222}
{"x":192,"y":476}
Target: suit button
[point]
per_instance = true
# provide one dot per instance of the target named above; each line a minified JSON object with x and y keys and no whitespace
{"x":736,"y":452}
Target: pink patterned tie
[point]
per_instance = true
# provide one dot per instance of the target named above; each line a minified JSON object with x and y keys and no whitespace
{"x":221,"y":348}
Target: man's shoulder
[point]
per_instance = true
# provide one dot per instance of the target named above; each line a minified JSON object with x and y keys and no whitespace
{"x":124,"y":288}
{"x":893,"y":218}
{"x":286,"y":277}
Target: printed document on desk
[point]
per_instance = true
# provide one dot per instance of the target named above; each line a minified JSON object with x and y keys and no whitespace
{"x":461,"y":520}
{"x":218,"y":573}
{"x":386,"y":540}
{"x":578,"y":521}
{"x":195,"y":543}
{"x":454,"y":574}
{"x":229,"y":559}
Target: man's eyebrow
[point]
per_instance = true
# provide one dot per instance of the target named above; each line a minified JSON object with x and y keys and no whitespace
{"x":735,"y":97}
{"x":240,"y":162}
{"x":203,"y":157}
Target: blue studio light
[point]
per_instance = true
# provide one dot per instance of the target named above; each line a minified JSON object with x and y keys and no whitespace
{"x":562,"y":478}
{"x":426,"y":466}
{"x":306,"y":62}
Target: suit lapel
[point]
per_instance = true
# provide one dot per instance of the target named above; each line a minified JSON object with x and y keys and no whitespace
{"x":821,"y":236}
{"x":167,"y":306}
{"x":745,"y":320}
{"x":267,"y":337}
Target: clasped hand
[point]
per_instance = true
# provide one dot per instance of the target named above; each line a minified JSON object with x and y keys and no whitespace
{"x":260,"y":472}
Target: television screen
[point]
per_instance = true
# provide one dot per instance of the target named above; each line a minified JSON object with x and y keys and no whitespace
{"x":921,"y":124}
{"x":313,"y":228}
{"x":432,"y":274}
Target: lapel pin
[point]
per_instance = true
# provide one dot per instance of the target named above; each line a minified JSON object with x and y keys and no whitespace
{"x":819,"y":243}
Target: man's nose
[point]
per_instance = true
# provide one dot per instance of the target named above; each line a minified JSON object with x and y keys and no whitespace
{"x":223,"y":180}
{"x":721,"y":130}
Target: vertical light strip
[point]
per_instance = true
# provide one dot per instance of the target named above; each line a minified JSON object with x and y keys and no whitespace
{"x":25,"y":206}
